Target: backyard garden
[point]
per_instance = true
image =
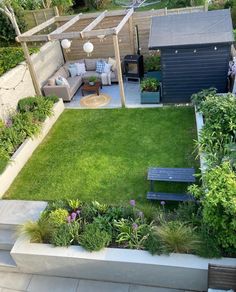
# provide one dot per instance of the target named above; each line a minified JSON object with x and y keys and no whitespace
{"x":92,"y":169}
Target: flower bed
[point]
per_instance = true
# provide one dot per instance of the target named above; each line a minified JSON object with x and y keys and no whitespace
{"x":22,"y":133}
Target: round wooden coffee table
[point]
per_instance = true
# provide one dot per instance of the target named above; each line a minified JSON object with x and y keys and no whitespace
{"x":91,"y":87}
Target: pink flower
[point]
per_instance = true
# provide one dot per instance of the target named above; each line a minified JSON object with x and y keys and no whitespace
{"x":73,"y":216}
{"x":163,"y":203}
{"x":132,"y":203}
{"x":135,"y":226}
{"x":68,"y":219}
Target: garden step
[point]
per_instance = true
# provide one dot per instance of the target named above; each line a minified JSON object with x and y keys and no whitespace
{"x":6,"y":260}
{"x":7,"y":239}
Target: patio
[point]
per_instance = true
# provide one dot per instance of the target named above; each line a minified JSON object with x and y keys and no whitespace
{"x":132,"y":93}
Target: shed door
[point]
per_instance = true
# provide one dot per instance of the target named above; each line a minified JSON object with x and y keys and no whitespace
{"x":188,"y":70}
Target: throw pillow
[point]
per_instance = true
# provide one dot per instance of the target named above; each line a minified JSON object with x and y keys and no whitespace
{"x":62,"y":81}
{"x":90,"y":64}
{"x":107,"y":68}
{"x":73,"y":70}
{"x":113,"y":63}
{"x":80,"y":68}
{"x":51,"y":81}
{"x":100,"y":66}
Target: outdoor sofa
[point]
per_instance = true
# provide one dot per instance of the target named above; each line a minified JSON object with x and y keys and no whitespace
{"x":67,"y":93}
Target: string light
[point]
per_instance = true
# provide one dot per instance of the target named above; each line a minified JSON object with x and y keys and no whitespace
{"x":21,"y":81}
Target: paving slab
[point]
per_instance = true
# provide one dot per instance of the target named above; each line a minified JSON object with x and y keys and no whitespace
{"x":138,"y":288}
{"x":92,"y":286}
{"x":16,"y":212}
{"x":10,"y":290}
{"x":14,"y":280}
{"x":6,"y":259}
{"x":52,"y":284}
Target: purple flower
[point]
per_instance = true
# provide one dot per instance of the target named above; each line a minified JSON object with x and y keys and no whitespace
{"x":163,"y":203}
{"x":132,"y":203}
{"x":8,"y":123}
{"x":68,"y":219}
{"x":140,"y":214}
{"x":73,"y":216}
{"x":78,"y":212}
{"x":135,"y":226}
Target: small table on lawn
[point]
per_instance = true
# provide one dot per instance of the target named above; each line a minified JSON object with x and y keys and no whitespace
{"x":89,"y":87}
{"x":185,"y":175}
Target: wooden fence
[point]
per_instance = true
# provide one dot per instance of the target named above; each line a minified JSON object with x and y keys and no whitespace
{"x":36,"y":17}
{"x":127,"y":36}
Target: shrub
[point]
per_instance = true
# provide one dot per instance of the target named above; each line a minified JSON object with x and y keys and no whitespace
{"x":220,"y":127}
{"x":218,"y":197}
{"x":10,"y":57}
{"x":94,"y":239}
{"x":153,"y":244}
{"x":39,"y":106}
{"x":152,"y":63}
{"x":199,"y":97}
{"x":132,"y":234}
{"x":150,"y":84}
{"x":177,"y":237}
{"x":66,"y":234}
{"x":53,"y":98}
{"x":39,"y":231}
{"x":58,"y":217}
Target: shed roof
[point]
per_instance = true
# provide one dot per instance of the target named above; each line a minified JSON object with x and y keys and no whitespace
{"x":210,"y":27}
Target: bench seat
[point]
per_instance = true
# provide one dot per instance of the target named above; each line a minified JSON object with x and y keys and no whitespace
{"x":169,"y":197}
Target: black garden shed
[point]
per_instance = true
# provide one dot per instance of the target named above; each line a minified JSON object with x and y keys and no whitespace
{"x":195,"y":52}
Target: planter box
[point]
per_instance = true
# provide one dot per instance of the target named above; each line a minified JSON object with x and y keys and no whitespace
{"x":199,"y":125}
{"x":150,"y":97}
{"x":178,"y":271}
{"x":154,"y":74}
{"x":24,"y":152}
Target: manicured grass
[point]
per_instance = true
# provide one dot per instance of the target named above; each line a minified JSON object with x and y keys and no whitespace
{"x":104,"y":154}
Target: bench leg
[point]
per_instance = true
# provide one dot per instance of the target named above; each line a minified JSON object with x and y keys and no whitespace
{"x":152,"y":185}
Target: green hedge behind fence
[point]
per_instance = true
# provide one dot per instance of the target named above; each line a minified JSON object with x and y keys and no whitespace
{"x":10,"y":57}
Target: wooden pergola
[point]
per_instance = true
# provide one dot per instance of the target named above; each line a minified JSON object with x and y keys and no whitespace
{"x":90,"y":31}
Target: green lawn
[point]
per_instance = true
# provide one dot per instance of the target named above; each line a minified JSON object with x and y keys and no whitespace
{"x":104,"y":154}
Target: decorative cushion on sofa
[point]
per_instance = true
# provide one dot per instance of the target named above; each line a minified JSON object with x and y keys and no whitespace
{"x":100,"y":65}
{"x":80,"y":68}
{"x":113,"y":63}
{"x":51,"y":81}
{"x":62,"y":81}
{"x":72,"y":69}
{"x":107,"y":68}
{"x":90,"y":64}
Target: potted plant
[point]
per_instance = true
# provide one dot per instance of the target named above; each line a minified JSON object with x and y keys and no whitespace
{"x":92,"y":80}
{"x":152,"y":66}
{"x":150,"y":90}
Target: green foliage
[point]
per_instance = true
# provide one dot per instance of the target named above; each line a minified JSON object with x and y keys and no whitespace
{"x":92,"y":79}
{"x":53,"y":98}
{"x":220,"y":127}
{"x":39,"y":231}
{"x":10,"y":57}
{"x":58,"y":217}
{"x":74,"y":204}
{"x":94,"y":239}
{"x":199,"y":97}
{"x":218,"y":198}
{"x":7,"y":32}
{"x":153,"y":243}
{"x":132,"y":234}
{"x":29,"y":4}
{"x":62,"y":5}
{"x":178,"y":237}
{"x":40,"y":107}
{"x":152,"y":63}
{"x":62,"y":236}
{"x":150,"y":84}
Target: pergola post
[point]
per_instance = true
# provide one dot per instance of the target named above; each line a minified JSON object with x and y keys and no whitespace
{"x":10,"y":13}
{"x":119,"y":70}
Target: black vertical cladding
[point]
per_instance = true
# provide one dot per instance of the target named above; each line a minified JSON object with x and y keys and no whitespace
{"x":189,"y":69}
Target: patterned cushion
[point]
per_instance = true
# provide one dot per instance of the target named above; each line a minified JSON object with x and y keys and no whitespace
{"x":80,"y":68}
{"x":100,"y":66}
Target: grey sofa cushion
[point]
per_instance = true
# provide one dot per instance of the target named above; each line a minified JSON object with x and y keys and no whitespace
{"x":90,"y":64}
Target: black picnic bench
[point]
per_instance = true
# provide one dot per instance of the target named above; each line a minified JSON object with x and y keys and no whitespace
{"x":185,"y":175}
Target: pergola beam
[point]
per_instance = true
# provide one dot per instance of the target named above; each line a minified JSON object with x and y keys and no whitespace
{"x":33,"y":38}
{"x":124,"y":20}
{"x":93,"y":24}
{"x":97,"y":32}
{"x":67,"y":25}
{"x":65,"y":35}
{"x":39,"y":27}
